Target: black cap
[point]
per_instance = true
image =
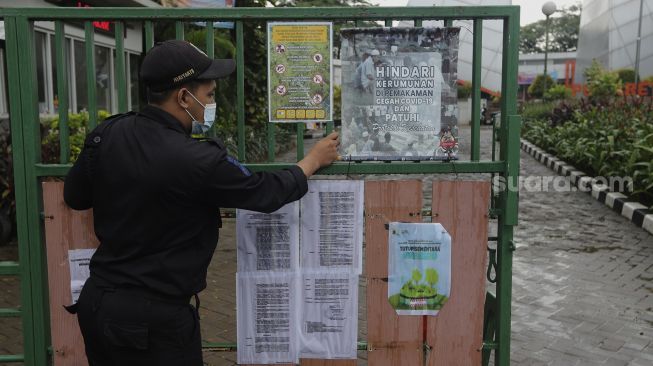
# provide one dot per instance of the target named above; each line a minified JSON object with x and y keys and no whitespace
{"x":172,"y":63}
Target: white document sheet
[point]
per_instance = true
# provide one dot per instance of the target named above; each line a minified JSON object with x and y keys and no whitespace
{"x":329,"y":315}
{"x":79,"y":260}
{"x":332,"y":225}
{"x":266,"y":318}
{"x":268,"y":242}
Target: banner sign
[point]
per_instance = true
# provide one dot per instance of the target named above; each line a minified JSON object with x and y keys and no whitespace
{"x":419,"y":268}
{"x":299,"y":72}
{"x":399,"y":93}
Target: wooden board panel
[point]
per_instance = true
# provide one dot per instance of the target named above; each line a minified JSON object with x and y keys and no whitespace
{"x":65,"y":229}
{"x":455,"y":334}
{"x":387,"y":201}
{"x":391,"y":341}
{"x":317,"y":362}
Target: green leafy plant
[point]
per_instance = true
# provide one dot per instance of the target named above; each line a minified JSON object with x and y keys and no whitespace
{"x":603,"y":139}
{"x":626,"y":75}
{"x":602,"y":84}
{"x":557,"y":92}
{"x":536,"y":89}
{"x":464,"y":90}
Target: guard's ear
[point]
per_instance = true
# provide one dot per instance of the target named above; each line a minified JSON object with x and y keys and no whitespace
{"x":182,"y":98}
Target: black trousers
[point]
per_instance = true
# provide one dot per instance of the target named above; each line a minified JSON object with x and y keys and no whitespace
{"x":130,"y":327}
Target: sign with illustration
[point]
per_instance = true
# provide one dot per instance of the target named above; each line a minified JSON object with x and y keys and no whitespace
{"x":299,"y":71}
{"x":399,"y":93}
{"x":419,"y":268}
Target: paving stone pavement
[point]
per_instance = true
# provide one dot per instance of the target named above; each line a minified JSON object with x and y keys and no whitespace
{"x":582,"y":283}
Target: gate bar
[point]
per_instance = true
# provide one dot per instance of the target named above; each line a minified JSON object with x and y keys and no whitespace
{"x":62,"y":91}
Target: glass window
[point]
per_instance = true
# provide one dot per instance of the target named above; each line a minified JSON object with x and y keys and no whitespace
{"x":133,"y":80}
{"x":71,"y":76}
{"x":103,"y":78}
{"x":81,"y":90}
{"x":39,"y":42}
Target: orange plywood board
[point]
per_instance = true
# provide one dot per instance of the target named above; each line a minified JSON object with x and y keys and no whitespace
{"x":391,"y":340}
{"x":455,"y":334}
{"x":387,"y":201}
{"x":65,"y":229}
{"x":317,"y":362}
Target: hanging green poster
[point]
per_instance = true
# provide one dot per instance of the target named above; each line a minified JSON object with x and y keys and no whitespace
{"x":419,"y":268}
{"x":299,"y":71}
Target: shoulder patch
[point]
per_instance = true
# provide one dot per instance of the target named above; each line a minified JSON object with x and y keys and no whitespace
{"x":238,"y":165}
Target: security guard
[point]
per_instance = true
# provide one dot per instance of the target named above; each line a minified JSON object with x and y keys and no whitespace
{"x":156,"y":193}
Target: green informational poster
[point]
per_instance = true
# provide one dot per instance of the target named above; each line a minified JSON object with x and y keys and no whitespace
{"x":419,"y":268}
{"x":299,"y":72}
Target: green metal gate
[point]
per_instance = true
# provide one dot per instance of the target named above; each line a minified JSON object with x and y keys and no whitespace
{"x":29,"y":170}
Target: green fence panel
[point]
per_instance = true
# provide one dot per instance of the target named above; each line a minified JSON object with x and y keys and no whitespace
{"x":26,"y":139}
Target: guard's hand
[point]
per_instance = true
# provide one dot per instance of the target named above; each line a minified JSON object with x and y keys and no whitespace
{"x":322,"y":154}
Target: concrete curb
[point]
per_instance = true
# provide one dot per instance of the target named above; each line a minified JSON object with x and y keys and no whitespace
{"x":637,"y":213}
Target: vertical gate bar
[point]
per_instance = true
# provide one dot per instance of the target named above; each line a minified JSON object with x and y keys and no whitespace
{"x":418,"y":22}
{"x":120,"y":67}
{"x":271,"y":141}
{"x":388,"y":22}
{"x":448,"y":22}
{"x":179,"y":29}
{"x":149,"y":35}
{"x":32,"y":153}
{"x":240,"y":88}
{"x":509,"y":152}
{"x":90,"y":75}
{"x":301,"y":126}
{"x":476,"y":89}
{"x":509,"y":110}
{"x":62,"y":91}
{"x":20,"y":190}
{"x":210,"y":39}
{"x":210,"y":51}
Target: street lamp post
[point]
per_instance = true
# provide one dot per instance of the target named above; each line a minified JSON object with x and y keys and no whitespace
{"x":548,"y":8}
{"x":639,"y":41}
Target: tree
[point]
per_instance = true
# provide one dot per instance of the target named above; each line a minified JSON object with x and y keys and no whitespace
{"x":536,"y":90}
{"x":602,"y":84}
{"x":563,"y":32}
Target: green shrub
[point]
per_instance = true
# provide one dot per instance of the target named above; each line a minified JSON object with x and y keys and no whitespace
{"x":464,"y":90}
{"x":609,"y":141}
{"x":536,"y":89}
{"x":557,"y":92}
{"x":337,"y":103}
{"x":626,"y":75}
{"x":77,"y":129}
{"x":602,"y":84}
{"x":537,"y":111}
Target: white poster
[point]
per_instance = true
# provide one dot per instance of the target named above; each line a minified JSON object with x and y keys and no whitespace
{"x":419,"y":268}
{"x":332,"y":225}
{"x":266,"y":318}
{"x":79,"y":260}
{"x":329,"y":315}
{"x":268,"y":242}
{"x":399,"y":93}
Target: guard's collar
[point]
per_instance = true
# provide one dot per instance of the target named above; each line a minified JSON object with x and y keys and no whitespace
{"x":167,"y":119}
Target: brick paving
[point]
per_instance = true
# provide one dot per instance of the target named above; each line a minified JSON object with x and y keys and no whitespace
{"x":582,"y":283}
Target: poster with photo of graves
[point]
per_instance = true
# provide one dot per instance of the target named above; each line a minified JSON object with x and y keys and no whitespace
{"x":399,"y":93}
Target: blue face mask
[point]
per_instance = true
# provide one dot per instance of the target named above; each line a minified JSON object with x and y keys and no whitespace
{"x":209,"y":117}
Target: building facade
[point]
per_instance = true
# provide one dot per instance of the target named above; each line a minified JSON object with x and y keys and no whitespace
{"x":105,"y":58}
{"x":608,"y":34}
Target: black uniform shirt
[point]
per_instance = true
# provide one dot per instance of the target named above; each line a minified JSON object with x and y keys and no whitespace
{"x":156,"y":194}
